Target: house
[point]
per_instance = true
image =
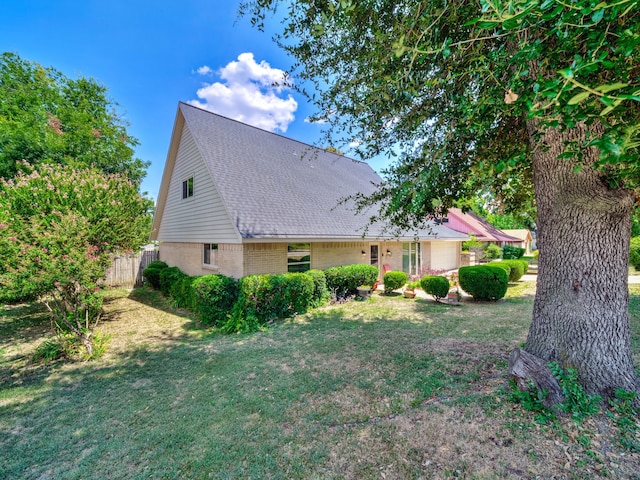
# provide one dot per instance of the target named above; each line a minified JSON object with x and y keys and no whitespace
{"x":238,"y":200}
{"x":525,"y":237}
{"x":483,"y":231}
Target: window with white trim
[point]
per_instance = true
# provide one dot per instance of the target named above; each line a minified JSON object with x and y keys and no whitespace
{"x":210,"y":254}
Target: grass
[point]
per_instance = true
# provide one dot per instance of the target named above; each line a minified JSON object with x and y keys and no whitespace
{"x":385,"y":388}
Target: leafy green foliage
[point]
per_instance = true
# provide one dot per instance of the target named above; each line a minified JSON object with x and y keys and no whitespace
{"x":270,"y":297}
{"x":435,"y":285}
{"x":517,"y":268}
{"x":492,"y":252}
{"x":532,"y":399}
{"x":59,"y":230}
{"x":394,"y":280}
{"x":152,"y":273}
{"x":168,"y":277}
{"x":215,"y":296}
{"x":47,"y":117}
{"x":484,"y":282}
{"x":577,"y":402}
{"x":510,"y":252}
{"x":344,"y":281}
{"x":321,"y":294}
{"x":634,"y":252}
{"x":625,"y":415}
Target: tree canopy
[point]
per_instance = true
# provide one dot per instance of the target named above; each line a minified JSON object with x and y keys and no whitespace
{"x":453,"y":83}
{"x":48,"y":117}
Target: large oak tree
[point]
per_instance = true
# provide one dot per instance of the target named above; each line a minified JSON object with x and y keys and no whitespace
{"x":507,"y":92}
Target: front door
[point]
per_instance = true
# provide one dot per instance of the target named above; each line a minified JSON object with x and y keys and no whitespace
{"x":375,"y":255}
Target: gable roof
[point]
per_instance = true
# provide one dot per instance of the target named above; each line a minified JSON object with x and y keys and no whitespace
{"x":274,"y":187}
{"x":520,"y":233}
{"x":472,"y":224}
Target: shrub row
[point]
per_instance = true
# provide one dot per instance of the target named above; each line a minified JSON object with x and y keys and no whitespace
{"x":515,"y":268}
{"x":344,"y":281}
{"x":244,"y":305}
{"x":510,"y":252}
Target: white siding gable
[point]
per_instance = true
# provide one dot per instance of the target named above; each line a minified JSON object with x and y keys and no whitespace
{"x":201,"y":218}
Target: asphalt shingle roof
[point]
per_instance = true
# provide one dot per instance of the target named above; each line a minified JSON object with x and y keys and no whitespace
{"x":276,"y":187}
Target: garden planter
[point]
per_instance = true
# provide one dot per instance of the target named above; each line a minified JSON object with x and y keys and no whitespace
{"x":409,"y":293}
{"x":364,"y":292}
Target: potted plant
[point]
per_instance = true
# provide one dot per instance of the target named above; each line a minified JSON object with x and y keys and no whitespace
{"x":410,"y":290}
{"x":364,"y":291}
{"x":454,"y":296}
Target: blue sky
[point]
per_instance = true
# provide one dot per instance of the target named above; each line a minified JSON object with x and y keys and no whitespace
{"x":153,"y":54}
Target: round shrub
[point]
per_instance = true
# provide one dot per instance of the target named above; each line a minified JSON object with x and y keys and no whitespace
{"x":517,"y":269}
{"x":182,"y":293}
{"x":435,"y":285}
{"x":169,"y":276}
{"x":215,"y":296}
{"x":152,"y":273}
{"x":484,"y":282}
{"x":503,"y":265}
{"x":509,"y":252}
{"x":492,"y":252}
{"x":394,"y":280}
{"x":345,"y":280}
{"x":321,"y":294}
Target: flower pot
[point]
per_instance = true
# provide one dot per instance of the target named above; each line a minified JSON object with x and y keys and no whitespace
{"x":409,"y":293}
{"x":364,"y":292}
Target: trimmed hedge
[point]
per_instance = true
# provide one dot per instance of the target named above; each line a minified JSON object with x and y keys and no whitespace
{"x":509,"y":252}
{"x":152,"y":273}
{"x":183,"y":294}
{"x":214,"y":297}
{"x":321,"y":294}
{"x":269,"y":297}
{"x":169,"y":276}
{"x":503,"y":265}
{"x":435,"y":285}
{"x":484,"y":282}
{"x":394,"y":280}
{"x":345,"y":280}
{"x":634,"y":252}
{"x":517,"y":269}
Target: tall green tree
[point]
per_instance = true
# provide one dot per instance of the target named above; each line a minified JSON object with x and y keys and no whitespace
{"x":48,"y":117}
{"x":478,"y":87}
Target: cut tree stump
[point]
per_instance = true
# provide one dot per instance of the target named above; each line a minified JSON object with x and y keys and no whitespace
{"x":527,"y":368}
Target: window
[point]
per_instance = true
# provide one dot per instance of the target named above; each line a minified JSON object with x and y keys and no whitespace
{"x":298,"y":257}
{"x":210,"y":254}
{"x":411,"y":260}
{"x":187,"y":188}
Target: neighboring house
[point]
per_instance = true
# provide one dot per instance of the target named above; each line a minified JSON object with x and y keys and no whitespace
{"x":526,"y":239}
{"x":238,"y":200}
{"x":472,"y":224}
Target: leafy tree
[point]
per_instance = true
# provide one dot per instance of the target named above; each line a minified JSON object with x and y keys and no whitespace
{"x":59,"y":230}
{"x":542,"y":88}
{"x":47,"y":117}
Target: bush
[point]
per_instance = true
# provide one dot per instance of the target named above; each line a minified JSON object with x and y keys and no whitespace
{"x":269,"y":297}
{"x":492,"y":252}
{"x":510,"y":252}
{"x":394,"y":280}
{"x":484,"y":282}
{"x":169,"y":276}
{"x":344,"y":281}
{"x":517,"y":269}
{"x":152,"y":273}
{"x":182,"y":293}
{"x":435,"y":285}
{"x":505,"y":266}
{"x":214,"y":297}
{"x":634,"y":252}
{"x":321,"y":294}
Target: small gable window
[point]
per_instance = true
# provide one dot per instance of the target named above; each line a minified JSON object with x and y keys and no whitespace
{"x":210,"y":254}
{"x":187,"y":188}
{"x":299,"y":257}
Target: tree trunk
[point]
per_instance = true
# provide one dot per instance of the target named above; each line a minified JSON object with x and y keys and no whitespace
{"x":580,"y":315}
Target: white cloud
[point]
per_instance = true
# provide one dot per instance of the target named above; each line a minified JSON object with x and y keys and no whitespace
{"x":249,"y":92}
{"x":204,"y":70}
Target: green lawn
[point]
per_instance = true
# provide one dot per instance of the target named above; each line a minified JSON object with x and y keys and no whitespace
{"x":387,"y":388}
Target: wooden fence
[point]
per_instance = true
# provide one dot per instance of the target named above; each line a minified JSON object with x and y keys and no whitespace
{"x":126,"y":270}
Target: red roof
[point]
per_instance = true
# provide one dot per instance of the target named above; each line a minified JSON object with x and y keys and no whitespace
{"x":472,"y":224}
